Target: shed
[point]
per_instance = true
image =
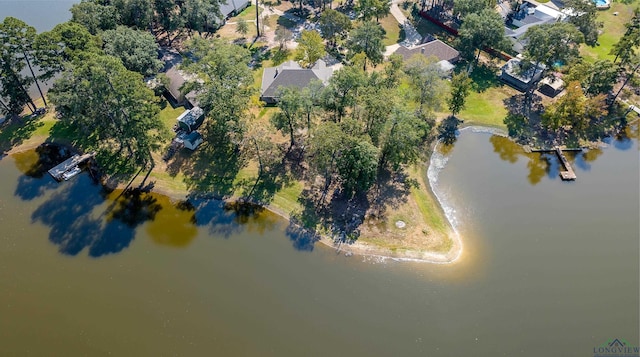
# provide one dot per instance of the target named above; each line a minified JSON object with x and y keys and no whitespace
{"x":192,"y":140}
{"x":551,"y":86}
{"x":191,"y":119}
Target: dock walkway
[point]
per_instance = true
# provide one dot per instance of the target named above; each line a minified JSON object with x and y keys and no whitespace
{"x":69,"y":168}
{"x":567,"y":174}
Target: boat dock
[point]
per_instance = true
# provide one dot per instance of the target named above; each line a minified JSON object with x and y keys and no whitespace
{"x":69,"y":168}
{"x":568,"y":174}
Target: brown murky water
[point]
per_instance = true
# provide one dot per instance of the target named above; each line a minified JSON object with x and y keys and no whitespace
{"x":548,"y":268}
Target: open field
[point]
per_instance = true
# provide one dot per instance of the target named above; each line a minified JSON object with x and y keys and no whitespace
{"x":611,"y":32}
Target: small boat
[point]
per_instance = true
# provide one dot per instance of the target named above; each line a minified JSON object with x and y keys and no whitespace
{"x":69,"y":174}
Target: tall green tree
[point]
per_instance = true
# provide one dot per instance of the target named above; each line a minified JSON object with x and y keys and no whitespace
{"x":134,"y":13}
{"x":110,"y":108}
{"x":94,"y":16}
{"x":368,"y":39}
{"x":628,"y":44}
{"x":225,"y":85}
{"x":462,"y":8}
{"x":357,"y":165}
{"x":167,"y":14}
{"x":425,"y":78}
{"x":584,"y":16}
{"x":596,"y":78}
{"x":481,"y":30}
{"x":573,"y":109}
{"x":460,"y":87}
{"x":403,"y":139}
{"x":324,"y":149}
{"x":375,"y":104}
{"x":310,"y":48}
{"x":333,"y":25}
{"x":138,"y":50}
{"x":341,"y":92}
{"x":201,"y":15}
{"x":291,"y":116}
{"x":554,"y":43}
{"x":18,"y":48}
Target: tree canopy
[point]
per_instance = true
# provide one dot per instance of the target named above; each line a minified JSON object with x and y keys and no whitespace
{"x":481,"y":30}
{"x":138,"y":50}
{"x":109,"y":107}
{"x":367,"y":39}
{"x":310,"y":48}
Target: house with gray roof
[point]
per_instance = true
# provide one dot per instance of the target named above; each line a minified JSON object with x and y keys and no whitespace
{"x":446,"y":55}
{"x":233,"y":7}
{"x":433,"y":48}
{"x":177,"y":78}
{"x":530,"y":14}
{"x":290,"y":74}
{"x":520,"y":74}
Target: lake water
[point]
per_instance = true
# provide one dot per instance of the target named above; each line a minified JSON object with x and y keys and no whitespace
{"x":548,"y":268}
{"x":41,"y":14}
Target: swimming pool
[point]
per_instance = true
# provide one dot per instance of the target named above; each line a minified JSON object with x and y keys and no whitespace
{"x":602,"y":4}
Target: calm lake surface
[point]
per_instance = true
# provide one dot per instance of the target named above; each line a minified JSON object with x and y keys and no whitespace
{"x":548,"y":268}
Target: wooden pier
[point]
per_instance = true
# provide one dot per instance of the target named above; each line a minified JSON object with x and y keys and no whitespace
{"x":69,"y":168}
{"x":568,"y":174}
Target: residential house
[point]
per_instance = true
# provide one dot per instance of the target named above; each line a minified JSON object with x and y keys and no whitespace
{"x":447,"y":56}
{"x":529,"y":14}
{"x":177,"y":78}
{"x":233,"y":7}
{"x":521,"y":75}
{"x":290,"y":74}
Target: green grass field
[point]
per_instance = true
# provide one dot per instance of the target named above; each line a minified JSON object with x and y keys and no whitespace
{"x":611,"y":32}
{"x":391,"y":26}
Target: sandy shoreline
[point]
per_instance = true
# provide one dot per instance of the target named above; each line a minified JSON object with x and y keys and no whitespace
{"x":355,"y":248}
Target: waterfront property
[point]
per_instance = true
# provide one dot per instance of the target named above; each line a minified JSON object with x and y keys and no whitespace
{"x":70,"y":167}
{"x":447,"y":56}
{"x":290,"y":74}
{"x":519,"y":76}
{"x":177,"y":78}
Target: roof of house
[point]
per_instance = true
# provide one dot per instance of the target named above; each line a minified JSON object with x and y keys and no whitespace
{"x":231,"y":6}
{"x":555,"y":83}
{"x":172,"y":60}
{"x":191,"y":116}
{"x":514,"y":69}
{"x":193,"y":137}
{"x":435,"y":48}
{"x":290,"y":74}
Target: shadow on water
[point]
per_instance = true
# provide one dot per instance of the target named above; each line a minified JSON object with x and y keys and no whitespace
{"x":227,"y":219}
{"x":34,"y":164}
{"x":67,"y":212}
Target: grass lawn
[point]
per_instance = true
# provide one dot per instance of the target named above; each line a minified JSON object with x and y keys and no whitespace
{"x":391,"y":26}
{"x":485,"y":104}
{"x":426,"y":27}
{"x":611,"y":32}
{"x":169,"y":114}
